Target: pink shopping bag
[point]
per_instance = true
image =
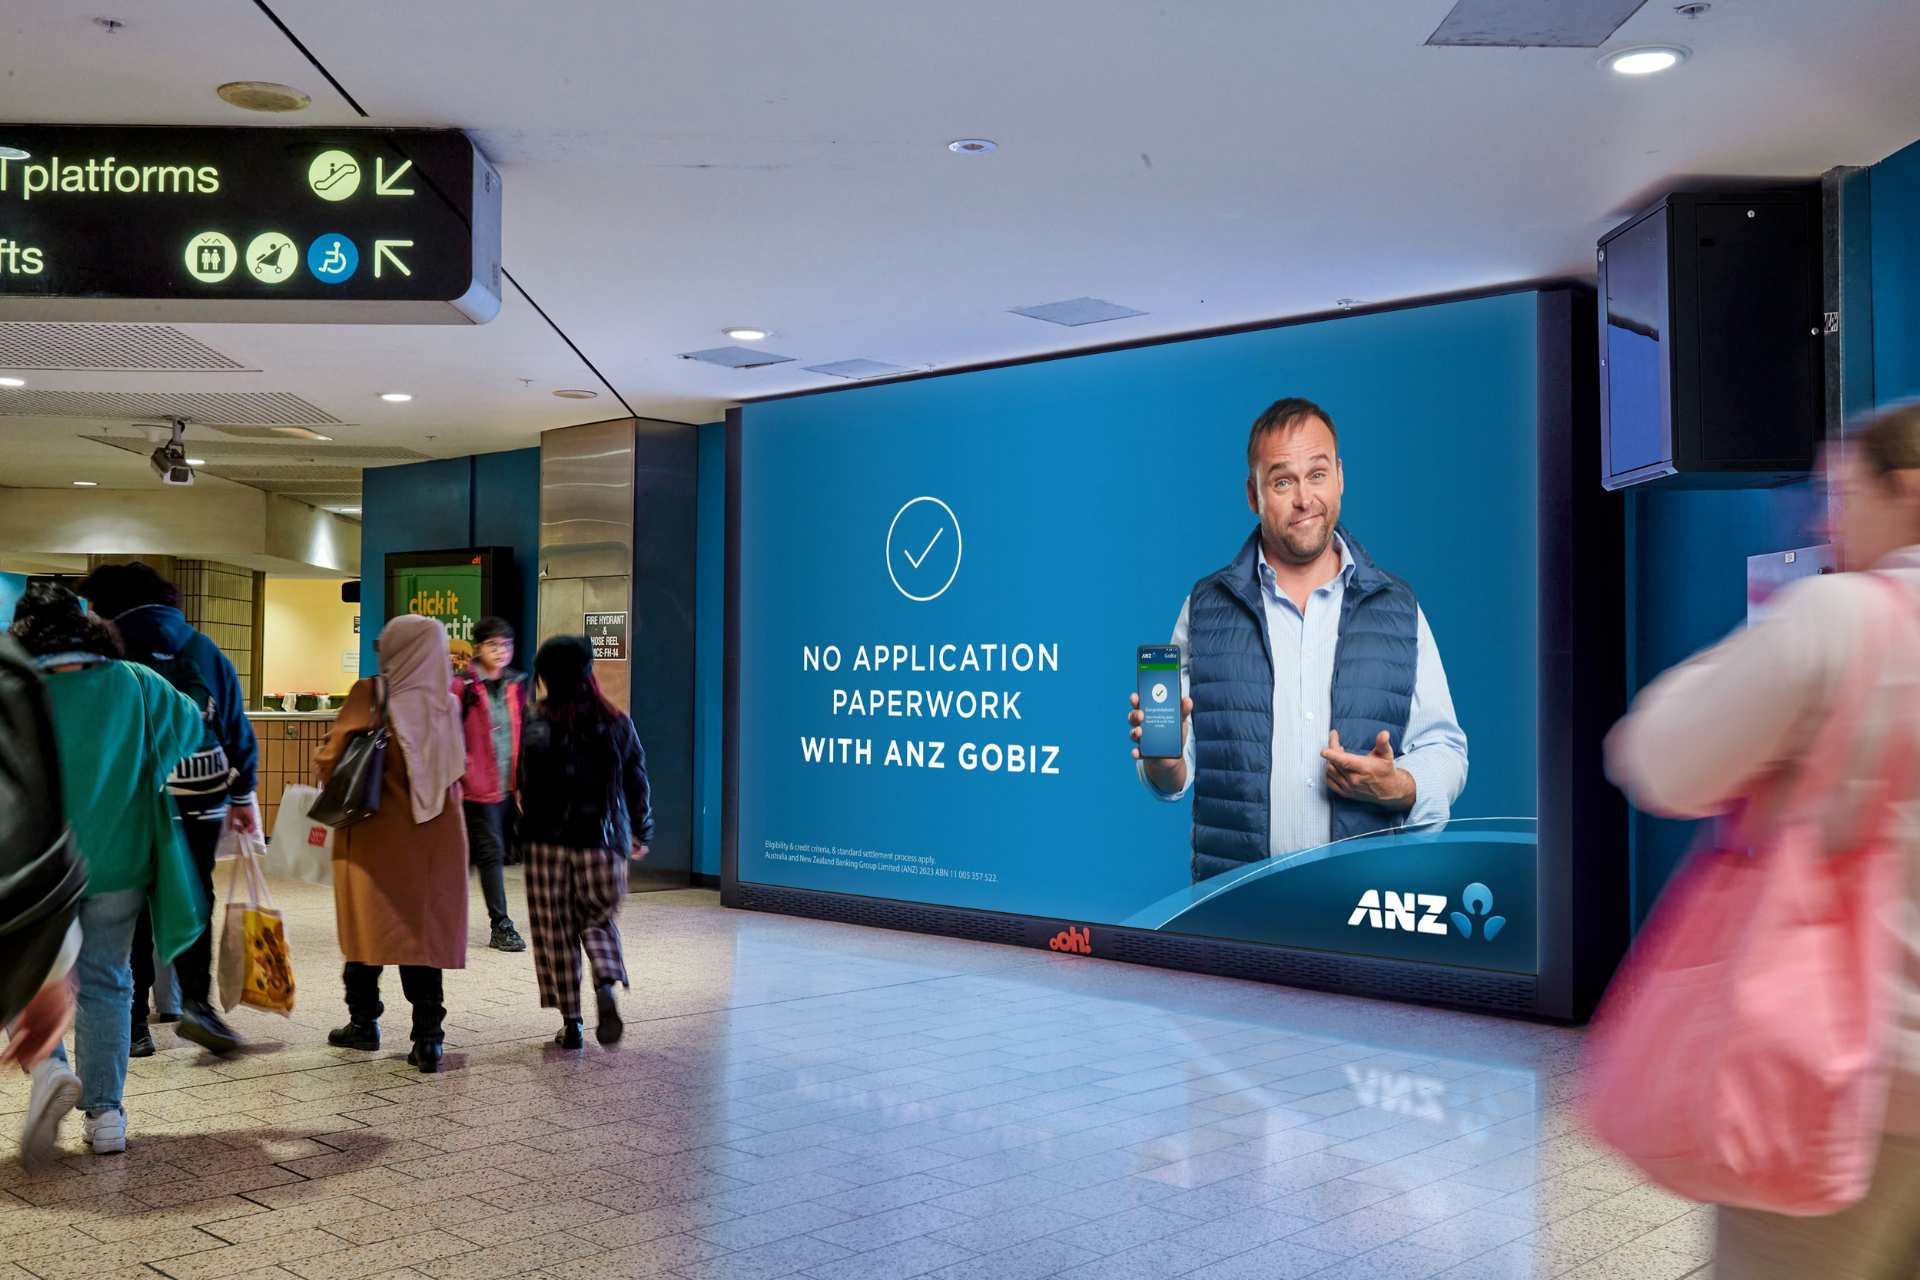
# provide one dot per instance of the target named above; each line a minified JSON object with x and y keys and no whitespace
{"x":1740,"y":1057}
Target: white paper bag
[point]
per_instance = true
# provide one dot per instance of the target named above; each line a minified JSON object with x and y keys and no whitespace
{"x":301,"y":849}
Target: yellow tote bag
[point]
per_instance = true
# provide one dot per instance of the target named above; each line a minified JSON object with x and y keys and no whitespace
{"x":255,"y":966}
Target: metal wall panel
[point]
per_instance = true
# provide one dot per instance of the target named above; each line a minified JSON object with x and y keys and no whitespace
{"x":586,"y":533}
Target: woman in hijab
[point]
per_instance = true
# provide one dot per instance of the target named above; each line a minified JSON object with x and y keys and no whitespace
{"x":585,"y":809}
{"x":400,"y":876}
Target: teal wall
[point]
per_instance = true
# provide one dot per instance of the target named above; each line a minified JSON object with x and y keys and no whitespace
{"x":483,"y":500}
{"x":1896,"y":276}
{"x":709,"y":629}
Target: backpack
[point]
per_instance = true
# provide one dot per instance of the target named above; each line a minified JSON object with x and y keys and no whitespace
{"x":41,"y":875}
{"x":187,"y":676}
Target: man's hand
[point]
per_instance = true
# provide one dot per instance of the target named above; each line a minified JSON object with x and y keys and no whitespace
{"x":244,"y":818}
{"x":1168,"y":776}
{"x":40,"y":1025}
{"x":1373,"y":778}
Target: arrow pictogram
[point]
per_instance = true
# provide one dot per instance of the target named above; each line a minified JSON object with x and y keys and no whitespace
{"x":383,"y":250}
{"x":383,"y":181}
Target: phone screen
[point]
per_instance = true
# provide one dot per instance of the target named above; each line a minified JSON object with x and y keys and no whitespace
{"x":1158,"y":668}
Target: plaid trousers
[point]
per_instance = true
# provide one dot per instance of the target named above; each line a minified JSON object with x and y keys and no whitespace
{"x":573,"y":897}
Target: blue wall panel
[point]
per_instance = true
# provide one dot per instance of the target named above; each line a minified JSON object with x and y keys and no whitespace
{"x":709,"y":647}
{"x":482,"y":500}
{"x":1896,"y":276}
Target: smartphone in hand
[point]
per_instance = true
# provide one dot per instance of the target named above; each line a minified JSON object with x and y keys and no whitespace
{"x":1157,"y":667}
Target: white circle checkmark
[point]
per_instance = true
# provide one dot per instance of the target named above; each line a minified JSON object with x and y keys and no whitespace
{"x":915,"y":557}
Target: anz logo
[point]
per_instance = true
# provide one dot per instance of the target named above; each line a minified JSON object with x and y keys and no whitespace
{"x":1427,"y":913}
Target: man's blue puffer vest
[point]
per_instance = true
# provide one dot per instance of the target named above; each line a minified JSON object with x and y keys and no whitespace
{"x":1231,"y":669}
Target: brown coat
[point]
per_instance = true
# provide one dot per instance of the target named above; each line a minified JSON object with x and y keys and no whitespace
{"x":399,"y":888}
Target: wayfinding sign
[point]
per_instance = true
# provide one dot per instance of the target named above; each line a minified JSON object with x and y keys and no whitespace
{"x":339,"y":226}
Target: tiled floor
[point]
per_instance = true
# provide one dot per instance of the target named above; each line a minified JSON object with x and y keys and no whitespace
{"x":796,"y":1098}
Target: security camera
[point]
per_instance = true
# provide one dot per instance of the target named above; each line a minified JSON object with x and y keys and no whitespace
{"x":169,"y":461}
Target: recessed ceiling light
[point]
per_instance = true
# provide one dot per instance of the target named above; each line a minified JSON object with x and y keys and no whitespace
{"x":86,"y":484}
{"x":263,"y":95}
{"x":395,"y":397}
{"x":348,"y":511}
{"x":196,"y":462}
{"x":748,"y":335}
{"x":972,"y":146}
{"x":577,"y":393}
{"x":14,"y":153}
{"x":1644,"y":59}
{"x":13,"y":382}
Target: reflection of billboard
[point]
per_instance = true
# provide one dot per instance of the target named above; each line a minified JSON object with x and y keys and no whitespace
{"x":942,"y":590}
{"x":455,"y":587}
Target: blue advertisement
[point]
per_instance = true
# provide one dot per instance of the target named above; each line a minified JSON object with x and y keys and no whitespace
{"x":1300,"y":562}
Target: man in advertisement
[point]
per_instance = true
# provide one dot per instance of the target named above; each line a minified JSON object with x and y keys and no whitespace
{"x":1314,"y":703}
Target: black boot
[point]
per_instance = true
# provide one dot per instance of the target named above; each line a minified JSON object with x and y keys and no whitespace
{"x":141,"y":1045}
{"x":570,"y":1036}
{"x":356,"y":1035}
{"x":425,"y":1056}
{"x":608,"y":1029}
{"x":200,"y":1024}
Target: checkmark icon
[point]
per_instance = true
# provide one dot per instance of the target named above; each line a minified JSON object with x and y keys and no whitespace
{"x":916,"y":562}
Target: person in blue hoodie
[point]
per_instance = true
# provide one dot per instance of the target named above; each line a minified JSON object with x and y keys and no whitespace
{"x":212,"y":789}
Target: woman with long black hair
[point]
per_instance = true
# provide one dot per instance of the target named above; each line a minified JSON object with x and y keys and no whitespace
{"x":585,"y":809}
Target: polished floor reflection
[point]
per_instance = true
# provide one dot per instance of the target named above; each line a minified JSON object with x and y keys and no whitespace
{"x":797,"y":1098}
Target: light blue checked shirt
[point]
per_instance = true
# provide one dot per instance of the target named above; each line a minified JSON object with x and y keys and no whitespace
{"x":1433,"y":750}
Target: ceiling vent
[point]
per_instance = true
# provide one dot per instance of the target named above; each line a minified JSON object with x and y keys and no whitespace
{"x":156,"y":347}
{"x":1533,"y":24}
{"x":856,"y":369}
{"x":202,"y":408}
{"x":1077,"y":311}
{"x":736,"y":357}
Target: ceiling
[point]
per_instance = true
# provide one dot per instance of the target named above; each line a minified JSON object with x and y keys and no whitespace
{"x":671,"y":170}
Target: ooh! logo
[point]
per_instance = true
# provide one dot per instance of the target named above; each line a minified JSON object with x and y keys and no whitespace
{"x":1074,"y":941}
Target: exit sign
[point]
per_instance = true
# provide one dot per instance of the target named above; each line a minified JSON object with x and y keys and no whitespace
{"x":334,"y":226}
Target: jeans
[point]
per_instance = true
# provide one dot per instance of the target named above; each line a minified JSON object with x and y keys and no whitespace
{"x":102,"y":1032}
{"x":192,"y":968}
{"x":487,"y":851}
{"x":424,"y":990}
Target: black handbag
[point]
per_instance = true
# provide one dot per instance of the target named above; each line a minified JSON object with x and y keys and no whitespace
{"x":352,"y":794}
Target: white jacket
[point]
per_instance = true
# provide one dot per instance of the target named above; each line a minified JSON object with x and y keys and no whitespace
{"x":1701,"y":735}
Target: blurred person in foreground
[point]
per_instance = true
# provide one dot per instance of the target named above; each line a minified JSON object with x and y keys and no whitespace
{"x":493,"y":708}
{"x":41,"y":882}
{"x":119,"y":730}
{"x":586,"y":808}
{"x":400,"y":876}
{"x":1705,"y":733}
{"x":212,"y":788}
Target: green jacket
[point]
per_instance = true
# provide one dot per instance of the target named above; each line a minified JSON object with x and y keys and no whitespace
{"x":121,"y":729}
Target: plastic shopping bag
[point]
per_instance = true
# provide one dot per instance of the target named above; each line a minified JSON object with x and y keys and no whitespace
{"x":255,"y":965}
{"x":302,"y":849}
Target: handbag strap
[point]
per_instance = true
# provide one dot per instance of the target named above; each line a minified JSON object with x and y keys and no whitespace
{"x":1834,"y":744}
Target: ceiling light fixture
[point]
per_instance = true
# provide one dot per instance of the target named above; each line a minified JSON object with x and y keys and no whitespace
{"x":748,"y":334}
{"x":13,"y":382}
{"x":577,"y":393}
{"x":263,"y":95}
{"x":347,"y":511}
{"x":972,"y":146}
{"x":86,"y":484}
{"x":196,"y":462}
{"x":1645,"y":59}
{"x":14,"y":153}
{"x":395,"y":397}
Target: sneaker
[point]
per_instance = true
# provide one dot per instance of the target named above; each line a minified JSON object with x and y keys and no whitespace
{"x":55,"y":1091}
{"x":507,"y":938}
{"x":107,"y":1132}
{"x":141,"y":1046}
{"x":356,"y":1035}
{"x":200,"y":1024}
{"x":608,"y":1029}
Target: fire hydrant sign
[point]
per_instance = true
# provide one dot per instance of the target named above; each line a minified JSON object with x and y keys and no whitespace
{"x":607,"y":633}
{"x":348,"y":226}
